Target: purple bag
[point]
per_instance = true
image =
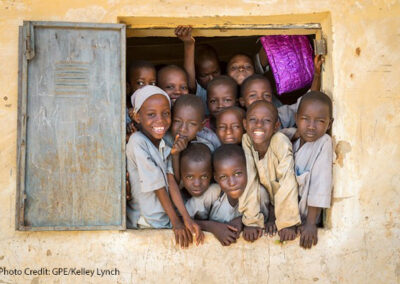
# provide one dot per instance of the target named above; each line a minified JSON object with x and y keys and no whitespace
{"x":291,"y":61}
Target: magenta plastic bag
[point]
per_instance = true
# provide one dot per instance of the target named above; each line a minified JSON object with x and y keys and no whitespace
{"x":291,"y":61}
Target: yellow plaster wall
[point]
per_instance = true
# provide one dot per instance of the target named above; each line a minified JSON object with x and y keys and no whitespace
{"x":362,"y":244}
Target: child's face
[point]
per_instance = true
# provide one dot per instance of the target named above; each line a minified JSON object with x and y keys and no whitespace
{"x":196,"y":176}
{"x":257,"y":90}
{"x":174,"y":84}
{"x":154,"y":117}
{"x":231,"y":176}
{"x":239,"y":68}
{"x":220,"y":97}
{"x":230,"y":127}
{"x":312,"y":120}
{"x":186,"y":122}
{"x":261,"y":124}
{"x":206,"y":71}
{"x":141,"y":77}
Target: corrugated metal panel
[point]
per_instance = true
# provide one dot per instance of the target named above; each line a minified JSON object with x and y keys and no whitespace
{"x":71,"y":145}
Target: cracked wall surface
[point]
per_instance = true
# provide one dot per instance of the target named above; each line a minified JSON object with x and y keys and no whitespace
{"x":362,"y":241}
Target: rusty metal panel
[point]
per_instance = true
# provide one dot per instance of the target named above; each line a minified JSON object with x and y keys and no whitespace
{"x":71,"y":143}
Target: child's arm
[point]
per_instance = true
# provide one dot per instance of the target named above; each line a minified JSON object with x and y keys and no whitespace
{"x":182,"y":237}
{"x":226,"y":234}
{"x":316,"y":83}
{"x":180,"y":144}
{"x":309,"y":232}
{"x":237,"y":223}
{"x":184,"y":33}
{"x":249,"y":201}
{"x":178,"y":201}
{"x":286,"y":195}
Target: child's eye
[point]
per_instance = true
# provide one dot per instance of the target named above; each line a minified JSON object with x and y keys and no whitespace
{"x":204,"y":177}
{"x":140,"y":83}
{"x":184,"y":87}
{"x":238,"y":174}
{"x":153,"y":83}
{"x":189,"y":177}
{"x":234,"y":68}
{"x":169,"y":87}
{"x":228,"y":100}
{"x":222,"y":127}
{"x":166,"y":113}
{"x":222,"y":177}
{"x":252,"y":119}
{"x":212,"y":101}
{"x":252,"y":95}
{"x":267,"y":95}
{"x":248,"y":67}
{"x":151,"y":114}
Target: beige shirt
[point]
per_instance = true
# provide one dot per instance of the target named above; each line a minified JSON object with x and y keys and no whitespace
{"x":276,"y":173}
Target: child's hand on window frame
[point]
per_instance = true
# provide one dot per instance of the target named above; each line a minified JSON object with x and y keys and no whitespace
{"x":252,"y":234}
{"x":184,"y":33}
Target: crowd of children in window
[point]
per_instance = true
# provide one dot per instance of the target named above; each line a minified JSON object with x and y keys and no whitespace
{"x":220,"y":163}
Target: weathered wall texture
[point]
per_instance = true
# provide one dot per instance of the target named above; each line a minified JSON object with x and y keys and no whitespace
{"x":362,"y":244}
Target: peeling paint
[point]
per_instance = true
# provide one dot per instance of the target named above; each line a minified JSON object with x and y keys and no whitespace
{"x":342,"y":148}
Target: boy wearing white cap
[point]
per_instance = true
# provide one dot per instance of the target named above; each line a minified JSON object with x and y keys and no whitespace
{"x":150,"y":170}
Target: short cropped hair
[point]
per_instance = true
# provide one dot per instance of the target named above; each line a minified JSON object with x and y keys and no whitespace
{"x":192,"y":101}
{"x":197,"y":152}
{"x":236,"y":109}
{"x":205,"y":51}
{"x":317,"y":96}
{"x":228,"y":151}
{"x":171,"y":68}
{"x":269,"y":105}
{"x":137,"y":64}
{"x":250,"y":79}
{"x":223,"y":80}
{"x":239,"y":54}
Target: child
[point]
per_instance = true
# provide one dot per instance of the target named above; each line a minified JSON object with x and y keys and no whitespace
{"x":150,"y":170}
{"x":258,"y":87}
{"x":255,"y":88}
{"x":229,"y":125}
{"x":270,"y":162}
{"x":196,"y":173}
{"x":201,"y":68}
{"x":188,"y":119}
{"x":140,"y":73}
{"x":174,"y":81}
{"x":222,"y":92}
{"x":313,"y":162}
{"x":239,"y":67}
{"x":230,"y":173}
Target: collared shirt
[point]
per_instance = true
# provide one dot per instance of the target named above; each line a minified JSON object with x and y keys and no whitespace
{"x":209,"y":135}
{"x":222,"y":211}
{"x":199,"y":207}
{"x":275,"y":171}
{"x":313,"y":168}
{"x":148,"y":167}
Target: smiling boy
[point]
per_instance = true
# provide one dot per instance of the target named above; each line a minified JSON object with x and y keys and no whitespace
{"x":270,"y":163}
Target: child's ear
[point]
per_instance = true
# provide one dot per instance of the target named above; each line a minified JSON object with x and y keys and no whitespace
{"x":330,"y":123}
{"x":203,"y":123}
{"x":245,"y":124}
{"x":277,"y":125}
{"x":136,"y":117}
{"x":241,"y":101}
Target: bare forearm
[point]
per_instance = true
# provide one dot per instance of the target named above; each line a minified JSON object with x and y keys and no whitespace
{"x":166,"y":203}
{"x":189,"y":64}
{"x":207,"y":225}
{"x":176,"y":168}
{"x":316,"y":83}
{"x":177,"y":197}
